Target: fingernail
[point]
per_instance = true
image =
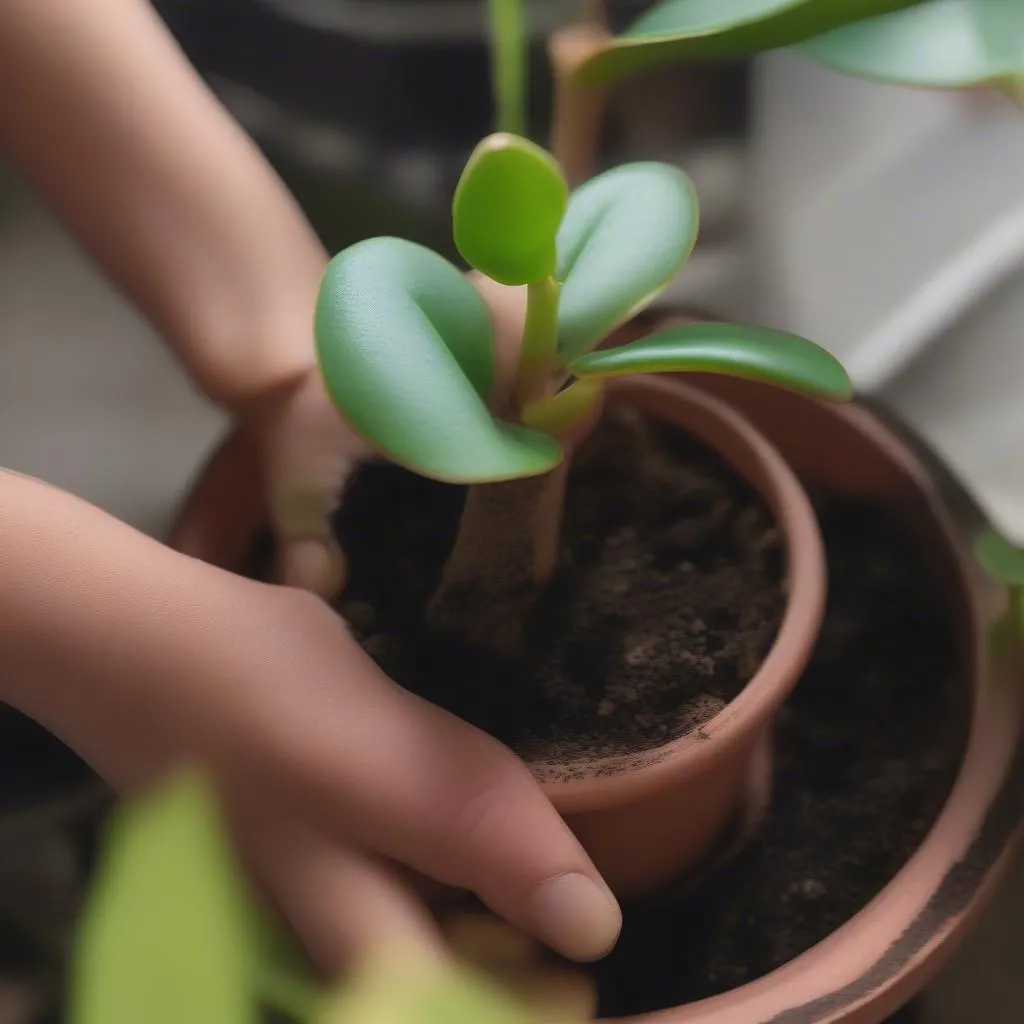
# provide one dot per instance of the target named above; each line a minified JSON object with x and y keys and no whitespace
{"x":576,"y":916}
{"x":312,"y":565}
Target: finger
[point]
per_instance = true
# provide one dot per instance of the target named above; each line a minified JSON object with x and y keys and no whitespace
{"x":340,"y":905}
{"x":310,"y":456}
{"x":225,"y":511}
{"x":428,"y":790}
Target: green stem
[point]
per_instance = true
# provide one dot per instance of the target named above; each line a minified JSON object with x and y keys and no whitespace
{"x":508,"y":64}
{"x":287,"y":993}
{"x":540,"y":340}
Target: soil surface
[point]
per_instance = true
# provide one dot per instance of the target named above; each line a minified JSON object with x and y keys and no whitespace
{"x":668,"y":596}
{"x":867,"y":749}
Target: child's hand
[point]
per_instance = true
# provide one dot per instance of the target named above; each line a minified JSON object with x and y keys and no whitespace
{"x":140,"y":657}
{"x":295,"y":443}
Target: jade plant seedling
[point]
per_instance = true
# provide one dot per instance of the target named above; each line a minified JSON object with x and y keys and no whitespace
{"x":171,"y":935}
{"x":406,"y":350}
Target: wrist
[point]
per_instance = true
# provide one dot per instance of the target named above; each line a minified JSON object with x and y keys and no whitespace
{"x":253,"y":340}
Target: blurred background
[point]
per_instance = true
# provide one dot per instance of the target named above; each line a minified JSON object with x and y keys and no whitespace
{"x":885,"y":223}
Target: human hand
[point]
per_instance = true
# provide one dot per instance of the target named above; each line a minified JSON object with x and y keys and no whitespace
{"x":288,"y":463}
{"x":141,"y":658}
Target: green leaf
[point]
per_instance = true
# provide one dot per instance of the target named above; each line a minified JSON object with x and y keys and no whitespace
{"x":999,"y":558}
{"x":406,"y":352}
{"x":687,"y":30}
{"x":753,"y":353}
{"x":166,"y":933}
{"x":941,"y":43}
{"x":626,"y":234}
{"x":508,"y":64}
{"x":507,"y":208}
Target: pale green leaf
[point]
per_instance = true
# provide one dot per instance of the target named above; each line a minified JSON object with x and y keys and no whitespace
{"x":626,"y":234}
{"x":940,"y":43}
{"x":687,"y":30}
{"x":405,"y":348}
{"x":167,"y":934}
{"x":507,"y":208}
{"x":735,"y":350}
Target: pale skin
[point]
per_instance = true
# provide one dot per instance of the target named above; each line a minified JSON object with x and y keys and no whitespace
{"x":139,"y":656}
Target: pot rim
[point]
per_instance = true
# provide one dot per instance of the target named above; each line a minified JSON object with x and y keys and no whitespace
{"x":735,"y":727}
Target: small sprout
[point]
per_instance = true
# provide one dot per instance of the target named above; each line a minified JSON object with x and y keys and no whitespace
{"x":686,"y":30}
{"x":560,"y":413}
{"x":406,"y":350}
{"x":507,"y":209}
{"x":626,"y":235}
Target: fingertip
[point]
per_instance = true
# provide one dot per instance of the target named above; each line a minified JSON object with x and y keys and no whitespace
{"x":576,"y":915}
{"x":314,"y":565}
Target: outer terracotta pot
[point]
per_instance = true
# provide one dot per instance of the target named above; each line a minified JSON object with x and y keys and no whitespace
{"x":883,"y":956}
{"x":647,"y":819}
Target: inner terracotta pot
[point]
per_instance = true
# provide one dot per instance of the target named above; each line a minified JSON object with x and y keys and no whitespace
{"x":647,"y":821}
{"x":644,"y":818}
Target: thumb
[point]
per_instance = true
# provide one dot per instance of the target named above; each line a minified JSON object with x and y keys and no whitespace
{"x":309,"y":455}
{"x":425,"y":789}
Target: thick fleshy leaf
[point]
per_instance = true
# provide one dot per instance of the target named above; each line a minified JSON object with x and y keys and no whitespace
{"x":626,"y":234}
{"x":999,"y":558}
{"x":753,"y":353}
{"x":166,"y":936}
{"x":507,"y":209}
{"x":406,"y":351}
{"x":940,"y":43}
{"x":684,"y":30}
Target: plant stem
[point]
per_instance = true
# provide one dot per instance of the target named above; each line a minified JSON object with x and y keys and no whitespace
{"x":579,"y":110}
{"x":505,"y":552}
{"x":508,"y":64}
{"x":540,"y":339}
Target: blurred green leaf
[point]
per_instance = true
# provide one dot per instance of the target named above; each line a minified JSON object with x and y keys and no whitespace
{"x":753,"y":353}
{"x":508,"y":64}
{"x":507,"y":208}
{"x":626,"y":234}
{"x":166,"y":935}
{"x":687,"y":30}
{"x":406,"y":351}
{"x":940,"y":43}
{"x":1002,"y":560}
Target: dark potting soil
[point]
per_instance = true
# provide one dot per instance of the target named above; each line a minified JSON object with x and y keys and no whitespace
{"x":867,"y":749}
{"x":668,"y":595}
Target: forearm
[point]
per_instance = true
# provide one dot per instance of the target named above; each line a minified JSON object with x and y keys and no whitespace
{"x":104,"y":114}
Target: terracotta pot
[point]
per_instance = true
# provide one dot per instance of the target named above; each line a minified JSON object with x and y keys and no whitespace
{"x":647,"y":819}
{"x":882,"y":957}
